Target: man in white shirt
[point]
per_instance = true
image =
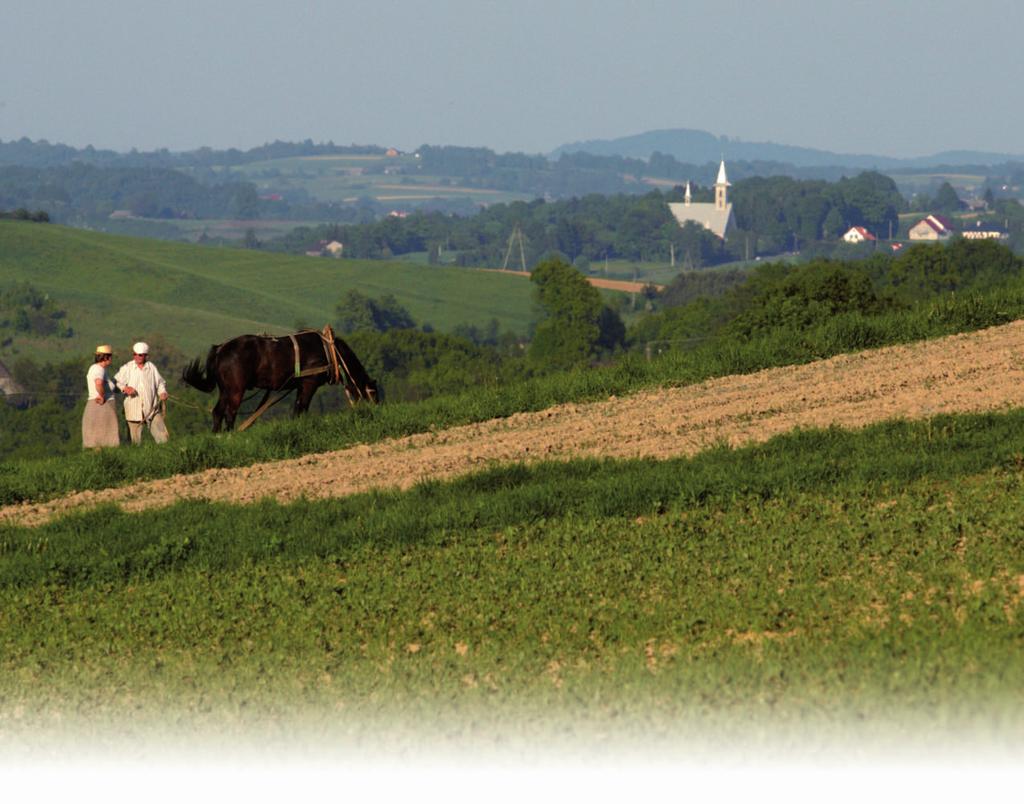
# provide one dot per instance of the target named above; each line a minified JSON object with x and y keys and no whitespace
{"x":144,"y":391}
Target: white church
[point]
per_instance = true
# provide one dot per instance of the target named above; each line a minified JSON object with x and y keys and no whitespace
{"x":717,"y":218}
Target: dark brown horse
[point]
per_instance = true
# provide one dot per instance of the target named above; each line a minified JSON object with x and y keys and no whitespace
{"x":303,"y":361}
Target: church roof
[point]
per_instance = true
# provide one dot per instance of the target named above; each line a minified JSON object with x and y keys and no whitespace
{"x":715,"y":220}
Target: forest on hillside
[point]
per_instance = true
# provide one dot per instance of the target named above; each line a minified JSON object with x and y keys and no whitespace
{"x":773,"y":216}
{"x":778,"y":206}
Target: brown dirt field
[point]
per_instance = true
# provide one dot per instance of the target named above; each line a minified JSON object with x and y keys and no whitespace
{"x":981,"y":371}
{"x":623,"y":285}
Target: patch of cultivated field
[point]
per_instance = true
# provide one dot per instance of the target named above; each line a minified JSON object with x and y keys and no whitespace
{"x":856,"y":583}
{"x":972,"y":372}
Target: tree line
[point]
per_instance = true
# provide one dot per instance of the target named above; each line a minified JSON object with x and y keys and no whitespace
{"x":83,"y":193}
{"x":773,"y":215}
{"x":41,"y":153}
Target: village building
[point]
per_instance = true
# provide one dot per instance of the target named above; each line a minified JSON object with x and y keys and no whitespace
{"x":934,"y":227}
{"x":716,"y":217}
{"x":858,"y":234}
{"x":326,"y":248}
{"x":985,"y":230}
{"x":8,"y":385}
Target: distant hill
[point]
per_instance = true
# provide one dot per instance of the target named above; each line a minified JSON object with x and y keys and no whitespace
{"x":698,"y":147}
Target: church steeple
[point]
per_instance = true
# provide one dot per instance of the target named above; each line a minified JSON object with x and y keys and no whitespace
{"x":721,"y":185}
{"x":687,"y":198}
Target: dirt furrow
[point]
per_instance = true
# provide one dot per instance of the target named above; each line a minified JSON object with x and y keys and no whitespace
{"x":972,"y":372}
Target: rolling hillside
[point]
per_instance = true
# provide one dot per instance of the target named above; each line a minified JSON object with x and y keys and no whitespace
{"x":967,"y":373}
{"x":859,"y":587}
{"x":119,"y":289}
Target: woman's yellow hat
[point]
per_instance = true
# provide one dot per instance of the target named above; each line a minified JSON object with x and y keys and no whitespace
{"x":104,"y":349}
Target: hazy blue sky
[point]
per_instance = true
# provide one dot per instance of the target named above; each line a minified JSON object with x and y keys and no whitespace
{"x":893,"y":78}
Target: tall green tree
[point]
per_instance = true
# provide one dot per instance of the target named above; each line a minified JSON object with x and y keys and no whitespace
{"x":946,"y":199}
{"x":577,"y":326}
{"x":357,"y":312}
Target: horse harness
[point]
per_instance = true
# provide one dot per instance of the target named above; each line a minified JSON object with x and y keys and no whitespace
{"x":335,"y":362}
{"x":336,"y":369}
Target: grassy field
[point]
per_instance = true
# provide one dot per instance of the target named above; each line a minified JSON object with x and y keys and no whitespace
{"x":911,"y":183}
{"x":342,"y":179}
{"x":119,"y":289}
{"x":192,"y":231}
{"x":797,"y":585}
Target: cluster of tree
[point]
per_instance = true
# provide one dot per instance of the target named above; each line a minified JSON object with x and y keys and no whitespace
{"x":41,"y":153}
{"x":414,"y":362}
{"x":22,"y":214}
{"x":795,"y":297}
{"x":773,"y":215}
{"x":411,"y":361}
{"x":24,"y":310}
{"x":783,"y":212}
{"x":578,"y":173}
{"x":356,"y":311}
{"x":578,"y":327}
{"x":945,"y":200}
{"x":41,"y":423}
{"x":81,"y":193}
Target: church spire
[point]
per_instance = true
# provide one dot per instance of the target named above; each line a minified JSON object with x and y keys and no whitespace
{"x":687,"y":198}
{"x":721,"y":185}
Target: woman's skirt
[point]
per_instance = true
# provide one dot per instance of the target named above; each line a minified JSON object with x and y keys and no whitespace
{"x":99,"y":425}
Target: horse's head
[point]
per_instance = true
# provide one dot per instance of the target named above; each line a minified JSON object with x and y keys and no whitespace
{"x":367,"y":390}
{"x":358,"y":384}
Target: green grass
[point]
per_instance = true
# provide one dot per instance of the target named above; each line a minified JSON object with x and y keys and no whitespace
{"x":332,"y":178}
{"x":119,"y":289}
{"x":799,"y":581}
{"x":192,"y":230}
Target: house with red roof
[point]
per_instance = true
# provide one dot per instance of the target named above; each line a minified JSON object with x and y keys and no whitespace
{"x":858,"y":234}
{"x":934,"y":227}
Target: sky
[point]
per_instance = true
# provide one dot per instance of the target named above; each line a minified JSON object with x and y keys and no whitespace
{"x":890,"y":78}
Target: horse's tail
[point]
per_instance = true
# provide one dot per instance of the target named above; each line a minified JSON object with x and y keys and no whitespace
{"x":202,"y":379}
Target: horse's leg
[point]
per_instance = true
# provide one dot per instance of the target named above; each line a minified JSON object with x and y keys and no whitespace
{"x":304,"y":396}
{"x":232,"y":402}
{"x":218,"y":411}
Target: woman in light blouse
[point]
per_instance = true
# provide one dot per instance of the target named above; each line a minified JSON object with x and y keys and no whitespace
{"x":99,"y":421}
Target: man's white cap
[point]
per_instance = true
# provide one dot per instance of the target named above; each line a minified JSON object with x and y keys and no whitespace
{"x":141,"y":348}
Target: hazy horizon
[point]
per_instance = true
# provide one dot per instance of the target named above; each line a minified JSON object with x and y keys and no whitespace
{"x":865,"y":77}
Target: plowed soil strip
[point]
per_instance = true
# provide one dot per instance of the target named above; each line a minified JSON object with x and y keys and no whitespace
{"x":981,"y":371}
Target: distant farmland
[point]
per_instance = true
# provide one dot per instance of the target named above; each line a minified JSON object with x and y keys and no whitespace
{"x":344,"y":179}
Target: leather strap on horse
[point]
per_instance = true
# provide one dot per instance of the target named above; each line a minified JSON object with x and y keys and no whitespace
{"x":327,"y":337}
{"x":335,"y":362}
{"x":298,"y":362}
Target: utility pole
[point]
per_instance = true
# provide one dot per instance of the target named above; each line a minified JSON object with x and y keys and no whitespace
{"x":517,"y":234}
